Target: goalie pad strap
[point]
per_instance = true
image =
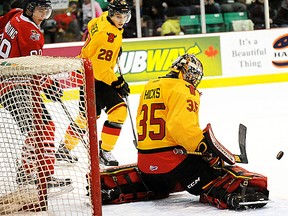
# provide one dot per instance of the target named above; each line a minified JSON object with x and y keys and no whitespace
{"x":217,"y":147}
{"x":123,"y":186}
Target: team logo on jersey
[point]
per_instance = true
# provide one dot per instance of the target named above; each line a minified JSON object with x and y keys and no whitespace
{"x":111,"y":37}
{"x":35,"y":36}
{"x":191,"y":88}
{"x":153,"y":168}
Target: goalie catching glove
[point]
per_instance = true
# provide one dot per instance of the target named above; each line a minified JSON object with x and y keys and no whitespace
{"x":121,"y":86}
{"x":53,"y":91}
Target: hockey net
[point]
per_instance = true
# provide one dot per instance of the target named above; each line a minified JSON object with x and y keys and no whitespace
{"x":21,"y":91}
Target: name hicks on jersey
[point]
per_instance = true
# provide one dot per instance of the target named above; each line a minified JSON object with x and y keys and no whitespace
{"x":10,"y":30}
{"x":152,"y":93}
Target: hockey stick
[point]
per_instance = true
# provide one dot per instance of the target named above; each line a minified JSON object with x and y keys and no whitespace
{"x":129,"y":111}
{"x":66,"y":110}
{"x":242,"y":158}
{"x":72,"y":122}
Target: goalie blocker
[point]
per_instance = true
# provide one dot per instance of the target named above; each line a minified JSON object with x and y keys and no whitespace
{"x":234,"y":188}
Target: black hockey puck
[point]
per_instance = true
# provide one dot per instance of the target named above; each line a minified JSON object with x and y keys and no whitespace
{"x":280,"y":155}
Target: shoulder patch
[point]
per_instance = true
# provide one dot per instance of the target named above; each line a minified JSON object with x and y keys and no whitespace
{"x":94,"y":29}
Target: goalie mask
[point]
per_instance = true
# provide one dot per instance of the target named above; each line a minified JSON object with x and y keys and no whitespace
{"x":119,"y":7}
{"x":189,"y":68}
{"x":43,"y":6}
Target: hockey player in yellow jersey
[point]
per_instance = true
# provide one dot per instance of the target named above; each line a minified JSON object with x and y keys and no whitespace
{"x":175,"y":154}
{"x":103,"y":47}
{"x":168,"y":113}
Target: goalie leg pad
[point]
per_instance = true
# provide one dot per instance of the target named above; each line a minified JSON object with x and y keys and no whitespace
{"x":123,"y":186}
{"x":236,"y":189}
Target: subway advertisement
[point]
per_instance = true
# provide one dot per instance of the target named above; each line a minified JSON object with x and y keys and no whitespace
{"x":148,"y":59}
{"x":230,"y":58}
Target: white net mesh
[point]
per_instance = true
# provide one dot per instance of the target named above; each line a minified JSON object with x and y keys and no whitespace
{"x":33,"y":124}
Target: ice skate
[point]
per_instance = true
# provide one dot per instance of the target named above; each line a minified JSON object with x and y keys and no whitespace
{"x":107,"y":158}
{"x":22,"y":178}
{"x":58,"y":186}
{"x":64,"y":154}
{"x":251,"y":200}
{"x":57,"y":182}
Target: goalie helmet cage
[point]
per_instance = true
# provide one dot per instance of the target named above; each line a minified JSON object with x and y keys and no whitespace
{"x":22,"y":88}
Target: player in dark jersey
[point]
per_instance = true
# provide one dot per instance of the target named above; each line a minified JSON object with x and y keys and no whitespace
{"x":102,"y":47}
{"x":22,"y":36}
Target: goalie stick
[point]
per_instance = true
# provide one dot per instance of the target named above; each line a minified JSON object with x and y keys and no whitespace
{"x":241,"y":158}
{"x":116,"y":168}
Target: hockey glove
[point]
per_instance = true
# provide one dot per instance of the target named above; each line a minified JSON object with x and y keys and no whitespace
{"x":53,"y":92}
{"x":213,"y":151}
{"x":208,"y":155}
{"x":121,"y":87}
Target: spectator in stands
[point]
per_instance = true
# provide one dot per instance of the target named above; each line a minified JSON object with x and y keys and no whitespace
{"x":256,"y":13}
{"x":274,"y":7}
{"x":130,"y":29}
{"x":179,"y":6}
{"x":8,"y":5}
{"x":172,"y":25}
{"x":233,"y":6}
{"x":281,"y":18}
{"x":50,"y":31}
{"x":153,"y":17}
{"x":211,"y":7}
{"x":87,"y":15}
{"x":5,"y":7}
{"x":68,"y":24}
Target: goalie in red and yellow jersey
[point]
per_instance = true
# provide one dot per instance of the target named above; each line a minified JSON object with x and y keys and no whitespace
{"x":22,"y":36}
{"x":175,"y":154}
{"x":102,"y":48}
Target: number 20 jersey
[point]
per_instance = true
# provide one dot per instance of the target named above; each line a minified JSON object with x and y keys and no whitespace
{"x":21,"y":37}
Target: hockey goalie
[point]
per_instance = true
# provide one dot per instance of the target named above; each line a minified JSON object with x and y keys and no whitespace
{"x":175,"y":154}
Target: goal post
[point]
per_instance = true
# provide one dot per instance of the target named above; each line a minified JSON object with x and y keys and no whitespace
{"x":33,"y":122}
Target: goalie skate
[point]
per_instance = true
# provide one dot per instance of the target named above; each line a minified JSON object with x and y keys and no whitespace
{"x":251,"y":200}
